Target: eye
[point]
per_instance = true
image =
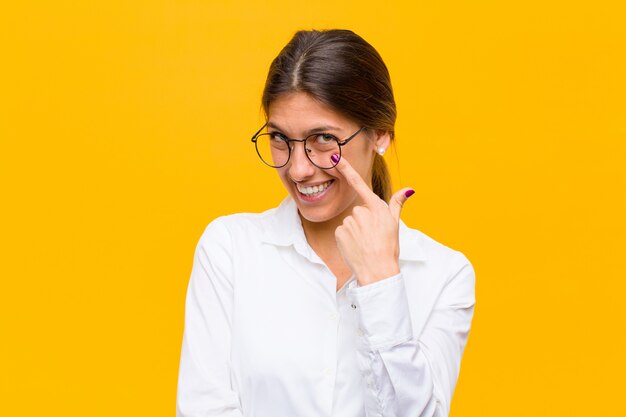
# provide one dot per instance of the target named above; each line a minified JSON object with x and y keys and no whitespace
{"x":277,"y":135}
{"x":324,"y":138}
{"x":277,"y":141}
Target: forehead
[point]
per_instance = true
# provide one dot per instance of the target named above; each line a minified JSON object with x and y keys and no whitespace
{"x":300,"y":111}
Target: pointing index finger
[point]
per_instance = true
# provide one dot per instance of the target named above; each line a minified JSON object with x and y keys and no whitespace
{"x":355,"y":180}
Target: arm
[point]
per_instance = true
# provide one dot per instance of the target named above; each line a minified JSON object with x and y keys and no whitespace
{"x":409,"y":371}
{"x":204,"y":385}
{"x":406,"y":373}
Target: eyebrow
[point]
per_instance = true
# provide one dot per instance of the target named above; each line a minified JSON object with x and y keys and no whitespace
{"x":322,"y":128}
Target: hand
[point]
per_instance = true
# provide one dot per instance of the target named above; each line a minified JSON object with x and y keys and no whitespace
{"x":368,"y":238}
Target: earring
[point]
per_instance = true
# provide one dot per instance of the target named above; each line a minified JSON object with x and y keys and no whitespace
{"x":381,"y":150}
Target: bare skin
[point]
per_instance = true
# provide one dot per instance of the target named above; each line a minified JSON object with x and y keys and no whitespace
{"x":349,"y":227}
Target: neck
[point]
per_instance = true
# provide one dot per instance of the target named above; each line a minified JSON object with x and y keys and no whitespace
{"x":321,"y":236}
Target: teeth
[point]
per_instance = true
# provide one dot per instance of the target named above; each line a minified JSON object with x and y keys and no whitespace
{"x":316,"y":189}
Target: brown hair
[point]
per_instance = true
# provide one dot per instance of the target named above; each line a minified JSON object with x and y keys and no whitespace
{"x":343,"y":71}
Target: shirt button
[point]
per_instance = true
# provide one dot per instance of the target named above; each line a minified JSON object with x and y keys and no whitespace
{"x":353,"y":306}
{"x":332,"y":316}
{"x":359,"y":332}
{"x":327,"y":372}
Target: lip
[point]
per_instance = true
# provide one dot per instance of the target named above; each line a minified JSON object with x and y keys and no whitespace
{"x":316,"y":198}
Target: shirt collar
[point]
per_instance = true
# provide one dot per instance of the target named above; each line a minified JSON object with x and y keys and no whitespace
{"x":285,"y":226}
{"x":285,"y":229}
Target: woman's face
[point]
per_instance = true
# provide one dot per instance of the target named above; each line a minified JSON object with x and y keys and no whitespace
{"x":298,"y":115}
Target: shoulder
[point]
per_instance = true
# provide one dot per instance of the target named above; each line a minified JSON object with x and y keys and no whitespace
{"x":238,"y":227}
{"x":434,"y":254}
{"x":444,"y":271}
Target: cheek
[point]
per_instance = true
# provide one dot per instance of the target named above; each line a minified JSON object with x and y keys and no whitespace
{"x":283,"y":175}
{"x":361,"y":153}
{"x":362,"y":163}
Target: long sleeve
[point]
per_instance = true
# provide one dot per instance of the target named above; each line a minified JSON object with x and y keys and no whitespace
{"x":411,"y":371}
{"x":204,"y":381}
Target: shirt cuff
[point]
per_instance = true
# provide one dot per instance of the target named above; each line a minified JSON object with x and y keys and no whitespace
{"x":382,"y":312}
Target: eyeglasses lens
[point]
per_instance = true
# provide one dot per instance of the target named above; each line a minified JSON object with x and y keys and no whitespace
{"x":320,"y":148}
{"x":274,"y":150}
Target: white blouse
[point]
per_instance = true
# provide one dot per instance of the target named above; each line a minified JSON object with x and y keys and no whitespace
{"x":267,"y":334}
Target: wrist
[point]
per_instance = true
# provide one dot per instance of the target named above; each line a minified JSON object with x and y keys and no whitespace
{"x":377,"y":273}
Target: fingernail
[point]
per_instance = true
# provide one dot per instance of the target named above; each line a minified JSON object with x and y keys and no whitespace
{"x":335,"y":158}
{"x":409,"y":193}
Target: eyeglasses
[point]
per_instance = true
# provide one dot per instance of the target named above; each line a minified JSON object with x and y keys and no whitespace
{"x":274,"y":148}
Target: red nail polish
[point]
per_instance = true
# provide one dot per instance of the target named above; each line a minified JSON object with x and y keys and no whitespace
{"x":409,"y":193}
{"x":335,"y":158}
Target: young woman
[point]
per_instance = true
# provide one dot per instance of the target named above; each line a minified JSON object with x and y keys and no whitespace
{"x":327,"y":305}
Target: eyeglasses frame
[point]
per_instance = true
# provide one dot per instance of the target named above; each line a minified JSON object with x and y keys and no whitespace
{"x":289,"y":140}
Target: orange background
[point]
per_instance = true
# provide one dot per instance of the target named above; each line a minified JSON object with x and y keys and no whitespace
{"x":124,"y":129}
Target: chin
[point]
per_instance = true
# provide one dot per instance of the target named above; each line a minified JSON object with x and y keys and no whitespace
{"x":316,"y":216}
{"x":320,"y":213}
{"x":322,"y":207}
{"x":312,"y":214}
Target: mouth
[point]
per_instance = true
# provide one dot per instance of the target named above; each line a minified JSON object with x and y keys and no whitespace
{"x":315,"y":190}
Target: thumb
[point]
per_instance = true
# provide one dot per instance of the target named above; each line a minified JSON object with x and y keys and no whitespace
{"x":397,"y":201}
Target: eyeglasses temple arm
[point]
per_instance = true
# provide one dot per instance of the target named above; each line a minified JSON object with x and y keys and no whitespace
{"x":351,"y":137}
{"x":258,"y":131}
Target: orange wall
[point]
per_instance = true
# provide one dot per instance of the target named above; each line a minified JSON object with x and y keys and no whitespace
{"x":124,"y":129}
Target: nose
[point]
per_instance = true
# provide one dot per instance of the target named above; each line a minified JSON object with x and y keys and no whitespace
{"x":300,"y":167}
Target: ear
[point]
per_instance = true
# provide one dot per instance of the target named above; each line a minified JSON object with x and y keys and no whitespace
{"x":382,"y":139}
